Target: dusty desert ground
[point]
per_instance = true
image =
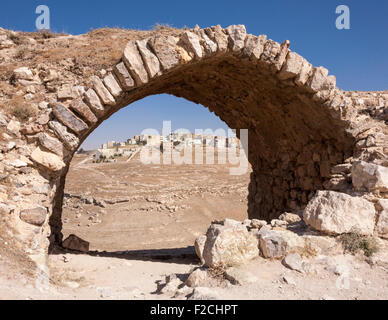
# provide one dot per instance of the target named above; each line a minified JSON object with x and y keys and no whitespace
{"x":141,"y":222}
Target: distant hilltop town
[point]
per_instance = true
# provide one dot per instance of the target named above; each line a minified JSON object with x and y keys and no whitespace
{"x":112,"y":149}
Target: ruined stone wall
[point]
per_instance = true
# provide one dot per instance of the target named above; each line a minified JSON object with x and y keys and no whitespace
{"x":305,"y":134}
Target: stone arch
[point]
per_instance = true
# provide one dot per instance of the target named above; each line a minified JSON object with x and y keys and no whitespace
{"x":304,"y":132}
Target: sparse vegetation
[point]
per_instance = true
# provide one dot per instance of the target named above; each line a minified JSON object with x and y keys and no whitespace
{"x":23,"y":111}
{"x":354,"y":242}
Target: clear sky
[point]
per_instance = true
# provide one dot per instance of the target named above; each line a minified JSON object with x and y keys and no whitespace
{"x":357,"y":57}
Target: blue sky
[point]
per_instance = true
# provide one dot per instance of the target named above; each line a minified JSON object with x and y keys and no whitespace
{"x":357,"y":57}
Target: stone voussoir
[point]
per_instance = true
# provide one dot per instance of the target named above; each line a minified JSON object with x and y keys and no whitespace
{"x":123,"y":76}
{"x":94,"y":102}
{"x":103,"y":92}
{"x":134,"y":63}
{"x":80,"y":108}
{"x":151,"y":61}
{"x":65,"y":116}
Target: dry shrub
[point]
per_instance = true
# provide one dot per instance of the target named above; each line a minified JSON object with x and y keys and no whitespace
{"x":23,"y":111}
{"x":354,"y":242}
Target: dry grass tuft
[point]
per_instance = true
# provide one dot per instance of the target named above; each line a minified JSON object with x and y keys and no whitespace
{"x":354,"y":242}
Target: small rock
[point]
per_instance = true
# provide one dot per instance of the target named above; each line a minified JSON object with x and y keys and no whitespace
{"x":290,"y":217}
{"x":293,"y":261}
{"x":289,"y":280}
{"x":239,"y":276}
{"x":75,"y":243}
{"x":200,"y":293}
{"x":35,"y":216}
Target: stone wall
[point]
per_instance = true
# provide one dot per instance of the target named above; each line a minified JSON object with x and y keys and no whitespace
{"x":305,"y":134}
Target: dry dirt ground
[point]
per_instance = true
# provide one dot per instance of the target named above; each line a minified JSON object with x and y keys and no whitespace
{"x":141,"y":222}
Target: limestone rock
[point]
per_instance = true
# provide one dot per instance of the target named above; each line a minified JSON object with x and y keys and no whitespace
{"x":48,"y":160}
{"x":336,"y":213}
{"x":289,"y":217}
{"x":200,"y":278}
{"x":209,"y":46}
{"x":229,"y":246}
{"x":69,"y":139}
{"x":382,"y":223}
{"x":112,"y":85}
{"x":293,"y":261}
{"x":320,"y":80}
{"x":316,"y":245}
{"x":134,"y":63}
{"x":51,"y":143}
{"x":151,"y":61}
{"x":13,"y":127}
{"x":304,"y":73}
{"x":369,"y":176}
{"x":75,"y":243}
{"x":254,"y":46}
{"x":240,"y":276}
{"x":218,"y":35}
{"x":191,"y":42}
{"x":102,"y":91}
{"x":272,"y":245}
{"x":167,"y":51}
{"x":257,"y":224}
{"x":68,"y":118}
{"x":237,"y":34}
{"x":291,"y":67}
{"x":79,"y":107}
{"x":94,"y":102}
{"x":35,"y":216}
{"x":201,"y":293}
{"x":124,"y":77}
{"x":277,"y":243}
{"x":23,"y":73}
{"x":199,"y":245}
{"x":18,"y":163}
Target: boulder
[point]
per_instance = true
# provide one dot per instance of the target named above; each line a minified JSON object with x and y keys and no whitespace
{"x":336,"y":213}
{"x":75,"y":243}
{"x":35,"y":216}
{"x":228,"y":246}
{"x":369,"y":176}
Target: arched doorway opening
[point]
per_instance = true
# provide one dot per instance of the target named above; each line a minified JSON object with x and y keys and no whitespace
{"x":118,"y":202}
